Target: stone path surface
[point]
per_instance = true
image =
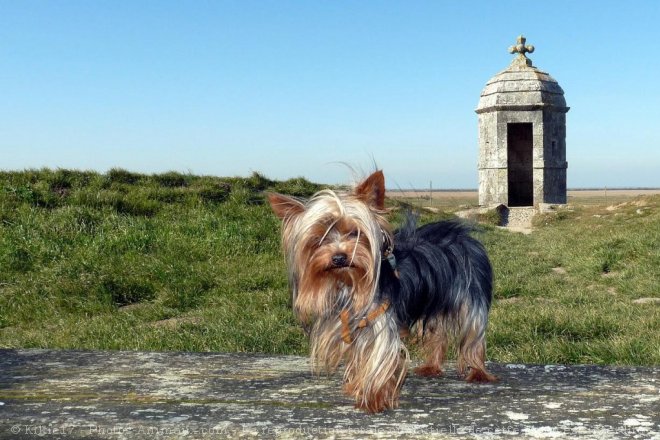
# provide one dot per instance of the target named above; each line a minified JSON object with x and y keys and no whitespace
{"x":117,"y":395}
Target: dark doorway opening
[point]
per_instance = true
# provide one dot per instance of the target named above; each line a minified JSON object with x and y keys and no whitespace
{"x":521,"y":171}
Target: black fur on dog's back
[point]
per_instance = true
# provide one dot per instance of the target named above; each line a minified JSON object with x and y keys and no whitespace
{"x":440,"y":268}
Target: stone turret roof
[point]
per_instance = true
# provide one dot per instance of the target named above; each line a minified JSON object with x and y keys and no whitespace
{"x":521,"y":86}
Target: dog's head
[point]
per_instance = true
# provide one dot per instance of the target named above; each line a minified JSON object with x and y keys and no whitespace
{"x":333,"y":244}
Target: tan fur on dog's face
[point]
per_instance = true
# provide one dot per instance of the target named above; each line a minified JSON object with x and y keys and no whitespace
{"x":318,"y":231}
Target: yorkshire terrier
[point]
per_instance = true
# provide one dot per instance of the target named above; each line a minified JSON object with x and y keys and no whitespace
{"x":358,"y":288}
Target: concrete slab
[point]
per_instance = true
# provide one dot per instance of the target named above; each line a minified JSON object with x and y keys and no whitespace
{"x":117,"y":395}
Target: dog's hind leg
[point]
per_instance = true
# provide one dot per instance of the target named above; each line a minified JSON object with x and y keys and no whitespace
{"x":434,"y":345}
{"x":472,"y":348}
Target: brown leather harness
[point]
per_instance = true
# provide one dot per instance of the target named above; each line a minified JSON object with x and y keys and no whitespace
{"x":346,"y":335}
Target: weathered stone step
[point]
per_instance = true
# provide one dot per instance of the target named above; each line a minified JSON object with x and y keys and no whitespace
{"x":519,"y":217}
{"x":117,"y":395}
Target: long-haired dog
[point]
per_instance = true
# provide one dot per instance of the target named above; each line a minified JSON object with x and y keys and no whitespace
{"x":358,"y":287}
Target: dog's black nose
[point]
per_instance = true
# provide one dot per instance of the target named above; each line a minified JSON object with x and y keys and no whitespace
{"x":339,"y":260}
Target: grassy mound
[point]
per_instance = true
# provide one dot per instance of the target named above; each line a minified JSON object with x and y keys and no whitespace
{"x":180,"y":262}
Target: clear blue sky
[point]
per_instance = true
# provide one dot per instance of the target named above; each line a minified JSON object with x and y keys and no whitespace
{"x":293,"y":88}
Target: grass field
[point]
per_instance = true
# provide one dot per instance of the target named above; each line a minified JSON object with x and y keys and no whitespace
{"x":190,"y":263}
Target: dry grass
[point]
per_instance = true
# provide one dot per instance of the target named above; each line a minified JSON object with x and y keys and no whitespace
{"x":461,"y":198}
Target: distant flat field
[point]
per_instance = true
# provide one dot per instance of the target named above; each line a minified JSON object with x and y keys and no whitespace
{"x":466,"y":197}
{"x":613,"y":192}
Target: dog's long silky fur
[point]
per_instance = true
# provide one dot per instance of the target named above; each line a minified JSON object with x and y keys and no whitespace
{"x":444,"y":285}
{"x":441,"y":286}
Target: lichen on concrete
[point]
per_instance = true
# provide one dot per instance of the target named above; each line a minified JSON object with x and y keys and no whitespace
{"x":105,"y":394}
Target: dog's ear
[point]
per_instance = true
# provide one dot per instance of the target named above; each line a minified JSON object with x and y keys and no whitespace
{"x":372,"y":191}
{"x":284,"y":206}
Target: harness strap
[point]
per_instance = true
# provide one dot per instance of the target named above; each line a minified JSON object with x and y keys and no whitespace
{"x":344,"y":316}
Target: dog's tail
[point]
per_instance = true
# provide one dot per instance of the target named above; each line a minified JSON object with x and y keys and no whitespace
{"x":407,"y":229}
{"x":440,"y":233}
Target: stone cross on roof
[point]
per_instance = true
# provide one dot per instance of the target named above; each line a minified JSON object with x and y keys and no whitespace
{"x":521,"y":49}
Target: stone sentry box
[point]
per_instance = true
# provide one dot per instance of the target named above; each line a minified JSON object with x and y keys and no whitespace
{"x":522,"y":136}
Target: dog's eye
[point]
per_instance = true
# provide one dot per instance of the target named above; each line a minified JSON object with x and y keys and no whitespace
{"x":354,"y":233}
